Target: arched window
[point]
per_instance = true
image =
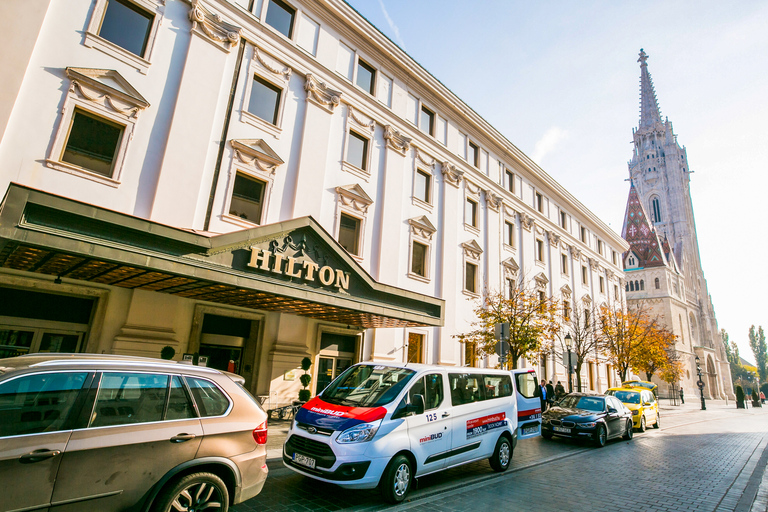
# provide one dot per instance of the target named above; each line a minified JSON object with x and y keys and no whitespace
{"x":642,"y":284}
{"x":656,"y":209}
{"x":637,"y":286}
{"x":631,"y":286}
{"x":656,"y":283}
{"x":627,"y":286}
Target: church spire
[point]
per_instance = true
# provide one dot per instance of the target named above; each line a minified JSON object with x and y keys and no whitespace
{"x":649,"y":107}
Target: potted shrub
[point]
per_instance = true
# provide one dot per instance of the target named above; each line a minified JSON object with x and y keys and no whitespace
{"x":167,"y":352}
{"x":305,"y":379}
{"x":739,"y":397}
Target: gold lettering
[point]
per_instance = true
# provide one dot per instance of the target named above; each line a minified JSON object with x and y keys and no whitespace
{"x":277,"y":267}
{"x":290,"y":271}
{"x":310,"y":268}
{"x":259,"y":258}
{"x":326,"y":275}
{"x":342,"y":279}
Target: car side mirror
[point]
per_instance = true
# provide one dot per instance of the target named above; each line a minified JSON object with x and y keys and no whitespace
{"x":417,"y":404}
{"x":611,"y":410}
{"x":646,"y":404}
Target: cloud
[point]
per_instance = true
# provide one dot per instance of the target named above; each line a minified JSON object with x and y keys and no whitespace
{"x":548,"y":142}
{"x":392,"y":26}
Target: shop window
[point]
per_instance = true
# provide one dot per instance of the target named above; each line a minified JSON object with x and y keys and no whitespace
{"x":247,"y":200}
{"x":92,"y":143}
{"x":280,"y":16}
{"x":349,"y":233}
{"x":264,"y":101}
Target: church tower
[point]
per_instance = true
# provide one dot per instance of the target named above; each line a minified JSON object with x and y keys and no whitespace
{"x":663,"y":267}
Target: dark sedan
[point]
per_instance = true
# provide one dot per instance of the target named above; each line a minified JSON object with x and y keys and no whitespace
{"x":588,"y":416}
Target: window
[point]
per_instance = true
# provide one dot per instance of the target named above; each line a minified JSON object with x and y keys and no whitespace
{"x":539,"y":250}
{"x":280,"y":17}
{"x":127,"y":25}
{"x":357,"y":150}
{"x":656,"y":283}
{"x":583,"y":234}
{"x":427,"y":121}
{"x":600,"y":247}
{"x":564,"y":264}
{"x":616,"y":291}
{"x":366,"y":77}
{"x":510,"y":180}
{"x":419,"y":259}
{"x":431,"y":388}
{"x":264,"y":102}
{"x":127,"y":398}
{"x":38,"y":403}
{"x":474,"y":154}
{"x":510,"y":288}
{"x":384,"y":94}
{"x":308,"y":33}
{"x":542,"y":301}
{"x":602,"y":284}
{"x":422,"y":186}
{"x":415,"y":348}
{"x":470,"y":354}
{"x":247,"y":198}
{"x":566,"y":310}
{"x":527,"y":384}
{"x":539,"y":202}
{"x":656,"y":209}
{"x":470,"y":277}
{"x":613,"y":257}
{"x":471,"y":213}
{"x":642,"y":284}
{"x":349,"y":233}
{"x":563,"y":220}
{"x":210,"y":400}
{"x":92,"y":143}
{"x":584,"y":275}
{"x":509,"y":233}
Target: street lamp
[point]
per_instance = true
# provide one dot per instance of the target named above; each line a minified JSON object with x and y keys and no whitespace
{"x":569,"y":344}
{"x":700,"y":384}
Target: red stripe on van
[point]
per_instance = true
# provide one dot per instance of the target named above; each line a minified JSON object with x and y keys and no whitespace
{"x":528,"y":413}
{"x":366,"y":414}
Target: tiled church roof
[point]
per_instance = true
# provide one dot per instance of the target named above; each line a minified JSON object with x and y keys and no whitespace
{"x":642,"y":237}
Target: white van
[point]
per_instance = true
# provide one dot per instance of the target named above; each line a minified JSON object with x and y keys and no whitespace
{"x":383,"y":424}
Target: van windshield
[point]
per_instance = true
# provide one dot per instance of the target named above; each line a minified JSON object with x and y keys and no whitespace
{"x":367,"y":386}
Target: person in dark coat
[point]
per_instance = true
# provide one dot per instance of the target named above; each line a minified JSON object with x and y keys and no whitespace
{"x":550,"y":394}
{"x":559,"y":390}
{"x":682,"y":397}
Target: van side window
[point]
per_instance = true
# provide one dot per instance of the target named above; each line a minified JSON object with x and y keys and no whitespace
{"x":497,"y":386}
{"x":431,"y":388}
{"x":466,"y":388}
{"x":210,"y":400}
{"x":527,"y":384}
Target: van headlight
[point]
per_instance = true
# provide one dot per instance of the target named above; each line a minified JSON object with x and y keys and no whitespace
{"x":359,"y":433}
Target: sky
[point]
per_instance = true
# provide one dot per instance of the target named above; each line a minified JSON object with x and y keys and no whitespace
{"x":561,"y":81}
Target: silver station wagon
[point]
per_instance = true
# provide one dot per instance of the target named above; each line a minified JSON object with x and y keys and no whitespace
{"x":101,"y":432}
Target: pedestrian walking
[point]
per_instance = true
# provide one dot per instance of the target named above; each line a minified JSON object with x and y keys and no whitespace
{"x":762,"y":397}
{"x":550,"y":394}
{"x":559,"y":390}
{"x":682,"y":398}
{"x":543,"y":396}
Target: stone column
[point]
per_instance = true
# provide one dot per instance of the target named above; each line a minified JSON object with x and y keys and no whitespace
{"x":450,"y":263}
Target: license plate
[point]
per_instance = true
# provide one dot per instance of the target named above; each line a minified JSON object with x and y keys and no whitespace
{"x":304,"y":460}
{"x":530,"y":430}
{"x":562,"y":430}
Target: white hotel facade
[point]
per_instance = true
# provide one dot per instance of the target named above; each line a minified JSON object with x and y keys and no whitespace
{"x":260,"y":181}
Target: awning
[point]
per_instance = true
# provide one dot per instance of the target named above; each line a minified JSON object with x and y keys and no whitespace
{"x":293,"y":267}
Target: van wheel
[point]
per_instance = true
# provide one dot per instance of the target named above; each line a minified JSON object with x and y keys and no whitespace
{"x":397,"y":479}
{"x":502,"y":455}
{"x":198,"y":491}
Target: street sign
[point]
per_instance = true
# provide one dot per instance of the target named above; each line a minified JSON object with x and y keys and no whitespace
{"x":502,"y":348}
{"x":700,"y":384}
{"x":569,"y":359}
{"x":501,"y":331}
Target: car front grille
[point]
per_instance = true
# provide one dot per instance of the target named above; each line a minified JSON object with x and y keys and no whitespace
{"x":317,"y":430}
{"x":321,"y":452}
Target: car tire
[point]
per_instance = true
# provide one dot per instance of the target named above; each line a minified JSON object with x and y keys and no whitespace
{"x":546,"y":435}
{"x":642,"y":424}
{"x":193,"y":492}
{"x":502,"y":455}
{"x":629,"y":433}
{"x":601,"y":436}
{"x":397,"y":479}
{"x":657,"y":424}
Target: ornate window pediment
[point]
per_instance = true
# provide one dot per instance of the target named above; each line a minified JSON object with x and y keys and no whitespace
{"x":257,"y":154}
{"x":566,"y":291}
{"x":541,"y":280}
{"x":211,"y":27}
{"x":420,"y":226}
{"x":472,"y":249}
{"x":107,"y":88}
{"x":354,"y":196}
{"x":586,"y":299}
{"x":511,"y":268}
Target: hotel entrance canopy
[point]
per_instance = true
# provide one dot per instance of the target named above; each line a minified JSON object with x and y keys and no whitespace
{"x":293,"y":267}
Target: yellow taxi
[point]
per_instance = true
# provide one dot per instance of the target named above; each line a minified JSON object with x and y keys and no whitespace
{"x":642,"y":403}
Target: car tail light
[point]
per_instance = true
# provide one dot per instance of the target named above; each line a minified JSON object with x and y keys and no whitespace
{"x":260,"y":433}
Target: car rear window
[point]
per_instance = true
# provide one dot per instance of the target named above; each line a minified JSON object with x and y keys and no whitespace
{"x":210,"y":400}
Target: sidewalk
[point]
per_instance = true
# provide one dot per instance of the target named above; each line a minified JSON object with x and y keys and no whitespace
{"x":277,"y":431}
{"x":693,"y":404}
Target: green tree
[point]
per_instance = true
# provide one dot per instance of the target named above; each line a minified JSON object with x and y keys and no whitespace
{"x":759,"y":349}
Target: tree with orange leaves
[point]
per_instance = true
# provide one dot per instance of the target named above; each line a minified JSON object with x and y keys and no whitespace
{"x":625,"y":332}
{"x":533,"y":320}
{"x":655,"y":353}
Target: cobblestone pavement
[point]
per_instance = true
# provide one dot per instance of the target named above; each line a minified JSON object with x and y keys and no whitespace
{"x":710,"y":460}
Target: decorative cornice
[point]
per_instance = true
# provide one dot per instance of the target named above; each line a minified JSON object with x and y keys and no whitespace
{"x":472,"y":249}
{"x":492,"y":200}
{"x":256,"y":153}
{"x":210,"y":24}
{"x":526,"y":221}
{"x":452,"y":174}
{"x":396,"y":140}
{"x":430,"y":163}
{"x":420,"y":226}
{"x":351,"y":113}
{"x":541,"y":280}
{"x":353,"y":196}
{"x":472,"y":189}
{"x":586,"y":299}
{"x":319,"y":93}
{"x":90,"y":85}
{"x":285,"y":72}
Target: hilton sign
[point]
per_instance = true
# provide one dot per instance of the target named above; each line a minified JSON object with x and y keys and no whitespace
{"x":280,"y":264}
